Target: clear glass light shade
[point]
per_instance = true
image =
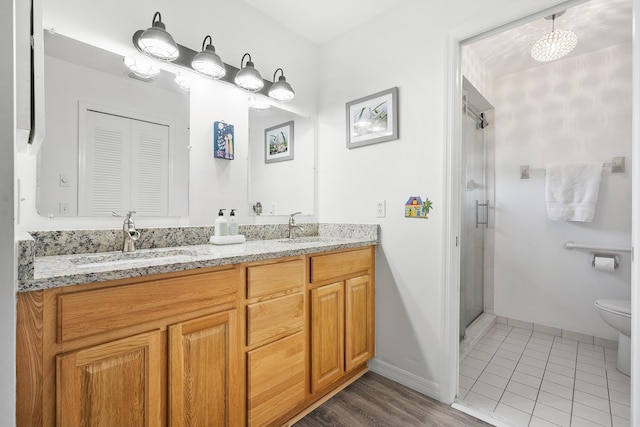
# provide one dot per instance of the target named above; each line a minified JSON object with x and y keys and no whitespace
{"x":157,"y":42}
{"x":141,"y":68}
{"x":259,"y":103}
{"x":183,"y":82}
{"x":554,"y":45}
{"x":209,"y":63}
{"x":248,"y":78}
{"x":281,"y":90}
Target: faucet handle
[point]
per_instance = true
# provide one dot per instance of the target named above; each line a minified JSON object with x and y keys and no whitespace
{"x":129,"y":223}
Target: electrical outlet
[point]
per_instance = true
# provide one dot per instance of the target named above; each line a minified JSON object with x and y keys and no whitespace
{"x":381,"y":208}
{"x":65,"y":207}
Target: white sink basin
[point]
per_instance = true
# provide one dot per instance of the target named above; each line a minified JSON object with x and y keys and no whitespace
{"x":128,"y":258}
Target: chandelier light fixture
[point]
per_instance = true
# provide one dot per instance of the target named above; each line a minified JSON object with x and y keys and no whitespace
{"x":555,"y":44}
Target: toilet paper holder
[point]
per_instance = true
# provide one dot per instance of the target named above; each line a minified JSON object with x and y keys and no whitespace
{"x":616,"y":264}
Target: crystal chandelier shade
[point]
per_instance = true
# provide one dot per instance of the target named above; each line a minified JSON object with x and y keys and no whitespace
{"x":554,"y":45}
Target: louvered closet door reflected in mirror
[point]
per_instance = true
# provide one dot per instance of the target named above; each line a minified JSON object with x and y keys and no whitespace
{"x":124,"y":165}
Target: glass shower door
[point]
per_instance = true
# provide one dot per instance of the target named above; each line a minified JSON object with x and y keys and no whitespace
{"x":474,"y":217}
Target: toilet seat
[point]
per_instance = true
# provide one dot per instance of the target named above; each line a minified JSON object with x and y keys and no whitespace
{"x":615,"y":306}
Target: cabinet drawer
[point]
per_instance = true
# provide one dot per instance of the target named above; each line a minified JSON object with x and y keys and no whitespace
{"x":90,"y":312}
{"x":277,"y":317}
{"x":270,"y":279}
{"x":325,"y":267}
{"x":275,"y":379}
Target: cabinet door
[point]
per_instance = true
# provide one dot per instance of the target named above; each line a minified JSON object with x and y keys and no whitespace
{"x":275,"y":379}
{"x":327,"y":335}
{"x":359,"y":321}
{"x":203,"y":377}
{"x":116,"y":383}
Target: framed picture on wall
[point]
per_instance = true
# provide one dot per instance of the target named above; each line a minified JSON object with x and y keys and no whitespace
{"x":223,"y":141}
{"x":278,"y":143}
{"x":373,"y":119}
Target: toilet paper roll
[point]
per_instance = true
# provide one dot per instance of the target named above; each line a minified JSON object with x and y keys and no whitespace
{"x":603,"y":263}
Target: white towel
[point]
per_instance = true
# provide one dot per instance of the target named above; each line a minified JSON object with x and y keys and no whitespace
{"x":572,"y":190}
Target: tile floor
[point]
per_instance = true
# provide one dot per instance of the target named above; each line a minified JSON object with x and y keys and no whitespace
{"x":534,"y":379}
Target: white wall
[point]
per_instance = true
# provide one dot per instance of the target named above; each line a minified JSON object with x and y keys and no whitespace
{"x":8,"y":265}
{"x":217,"y":183}
{"x":236,"y":28}
{"x":406,"y":48}
{"x":578,"y":109}
{"x":476,"y":73}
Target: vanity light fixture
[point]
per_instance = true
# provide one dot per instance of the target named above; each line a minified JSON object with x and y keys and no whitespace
{"x":157,"y":42}
{"x":259,"y":103}
{"x":281,"y":90}
{"x":183,"y":82}
{"x":141,"y":68}
{"x":248,"y":78}
{"x":555,"y":44}
{"x":207,"y":62}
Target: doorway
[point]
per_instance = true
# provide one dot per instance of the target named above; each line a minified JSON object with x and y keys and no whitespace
{"x":457,"y":174}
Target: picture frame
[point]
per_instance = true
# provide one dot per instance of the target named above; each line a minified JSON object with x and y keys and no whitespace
{"x":372,"y":119}
{"x":223,"y":143}
{"x":279,"y":142}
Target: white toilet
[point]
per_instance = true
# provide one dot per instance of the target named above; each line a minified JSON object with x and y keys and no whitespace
{"x":617,"y":314}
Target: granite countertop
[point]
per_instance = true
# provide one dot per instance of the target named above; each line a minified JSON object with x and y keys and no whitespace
{"x":63,"y":270}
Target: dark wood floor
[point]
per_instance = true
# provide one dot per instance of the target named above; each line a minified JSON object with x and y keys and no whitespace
{"x":375,"y":401}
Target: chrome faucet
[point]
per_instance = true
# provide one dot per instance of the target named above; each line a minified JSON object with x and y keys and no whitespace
{"x":131,"y":235}
{"x":293,"y":226}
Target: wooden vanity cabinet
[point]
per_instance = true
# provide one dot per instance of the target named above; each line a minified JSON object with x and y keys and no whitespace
{"x":342,"y":301}
{"x":156,"y":351}
{"x":256,"y":344}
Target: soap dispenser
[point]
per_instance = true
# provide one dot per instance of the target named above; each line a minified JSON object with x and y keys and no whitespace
{"x":233,"y":223}
{"x":221,"y":225}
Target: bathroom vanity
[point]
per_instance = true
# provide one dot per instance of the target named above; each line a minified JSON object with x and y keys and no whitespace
{"x":257,"y":337}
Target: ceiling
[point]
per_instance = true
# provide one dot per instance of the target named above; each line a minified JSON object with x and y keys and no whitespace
{"x":597,"y":23}
{"x":321,"y":21}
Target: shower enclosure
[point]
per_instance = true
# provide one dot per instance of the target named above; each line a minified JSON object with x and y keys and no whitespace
{"x":474,"y":208}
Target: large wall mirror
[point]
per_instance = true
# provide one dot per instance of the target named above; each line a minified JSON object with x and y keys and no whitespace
{"x":281,"y":162}
{"x":114,"y":142}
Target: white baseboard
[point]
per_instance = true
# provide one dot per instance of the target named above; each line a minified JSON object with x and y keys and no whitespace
{"x":407,"y":379}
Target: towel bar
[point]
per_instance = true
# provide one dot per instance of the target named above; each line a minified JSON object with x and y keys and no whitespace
{"x":616,"y":165}
{"x":572,"y":245}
